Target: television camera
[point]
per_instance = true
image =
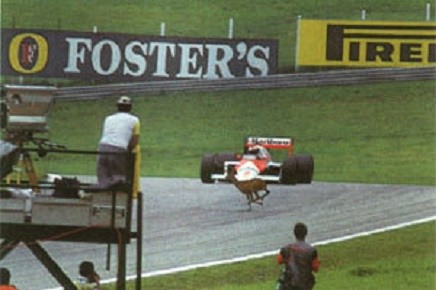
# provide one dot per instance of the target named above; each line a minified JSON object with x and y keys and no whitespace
{"x":24,"y":113}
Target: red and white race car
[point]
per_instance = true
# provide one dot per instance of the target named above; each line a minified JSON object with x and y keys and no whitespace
{"x":256,"y":162}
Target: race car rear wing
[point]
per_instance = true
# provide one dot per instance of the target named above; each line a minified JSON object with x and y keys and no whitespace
{"x":274,"y":143}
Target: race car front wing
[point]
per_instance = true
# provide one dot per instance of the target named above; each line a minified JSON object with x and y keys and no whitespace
{"x":269,"y":178}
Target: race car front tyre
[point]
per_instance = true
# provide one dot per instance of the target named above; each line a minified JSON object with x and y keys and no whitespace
{"x":288,"y":174}
{"x":207,"y":168}
{"x":305,"y":168}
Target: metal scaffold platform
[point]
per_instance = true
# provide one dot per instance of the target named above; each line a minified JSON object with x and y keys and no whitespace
{"x":63,"y":208}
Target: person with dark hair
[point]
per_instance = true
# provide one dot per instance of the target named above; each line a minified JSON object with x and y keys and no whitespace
{"x":88,"y":278}
{"x":300,"y":261}
{"x":5,"y":280}
{"x":120,"y":135}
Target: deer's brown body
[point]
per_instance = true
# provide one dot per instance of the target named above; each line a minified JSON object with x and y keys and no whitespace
{"x":250,"y":188}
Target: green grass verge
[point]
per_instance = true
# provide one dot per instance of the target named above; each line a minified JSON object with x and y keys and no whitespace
{"x":376,"y":133}
{"x":395,"y":260}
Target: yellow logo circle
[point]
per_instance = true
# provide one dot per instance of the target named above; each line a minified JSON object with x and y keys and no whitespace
{"x":28,"y":53}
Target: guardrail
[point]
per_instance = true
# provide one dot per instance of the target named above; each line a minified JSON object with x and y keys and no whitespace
{"x":338,"y":77}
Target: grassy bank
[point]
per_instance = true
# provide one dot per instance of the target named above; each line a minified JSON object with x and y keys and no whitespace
{"x":377,"y":133}
{"x":400,"y":259}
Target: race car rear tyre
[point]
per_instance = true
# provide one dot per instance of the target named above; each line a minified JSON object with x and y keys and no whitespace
{"x":219,"y":160}
{"x":305,"y":168}
{"x":288,"y":173}
{"x":207,"y":168}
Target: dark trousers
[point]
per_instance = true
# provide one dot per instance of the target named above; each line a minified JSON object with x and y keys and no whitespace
{"x":111,"y":168}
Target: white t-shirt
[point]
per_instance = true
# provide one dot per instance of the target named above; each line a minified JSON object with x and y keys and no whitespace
{"x":118,"y":129}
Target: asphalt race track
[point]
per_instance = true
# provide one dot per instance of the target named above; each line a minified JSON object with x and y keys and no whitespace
{"x":187,"y":222}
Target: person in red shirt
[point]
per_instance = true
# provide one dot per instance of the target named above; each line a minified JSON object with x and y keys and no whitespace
{"x":5,"y":279}
{"x":300,"y":260}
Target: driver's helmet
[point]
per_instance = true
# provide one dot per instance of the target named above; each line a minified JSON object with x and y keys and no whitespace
{"x":254,"y":149}
{"x":259,"y":151}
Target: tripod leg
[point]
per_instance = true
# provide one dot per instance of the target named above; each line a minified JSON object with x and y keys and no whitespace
{"x":30,"y":171}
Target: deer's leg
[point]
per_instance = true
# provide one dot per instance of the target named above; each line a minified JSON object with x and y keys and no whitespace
{"x":265,"y":194}
{"x":249,"y":201}
{"x":258,"y":199}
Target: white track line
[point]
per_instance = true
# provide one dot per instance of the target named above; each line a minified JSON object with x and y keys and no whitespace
{"x":266,"y":254}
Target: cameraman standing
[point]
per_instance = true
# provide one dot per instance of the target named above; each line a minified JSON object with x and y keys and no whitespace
{"x":120,"y":135}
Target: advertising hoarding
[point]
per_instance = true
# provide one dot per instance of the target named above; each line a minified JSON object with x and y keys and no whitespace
{"x":123,"y":57}
{"x":366,"y":43}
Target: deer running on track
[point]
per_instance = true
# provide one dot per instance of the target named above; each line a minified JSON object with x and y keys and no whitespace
{"x":250,"y":188}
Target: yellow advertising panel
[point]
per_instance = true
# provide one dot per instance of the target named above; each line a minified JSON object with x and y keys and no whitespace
{"x":366,"y":43}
